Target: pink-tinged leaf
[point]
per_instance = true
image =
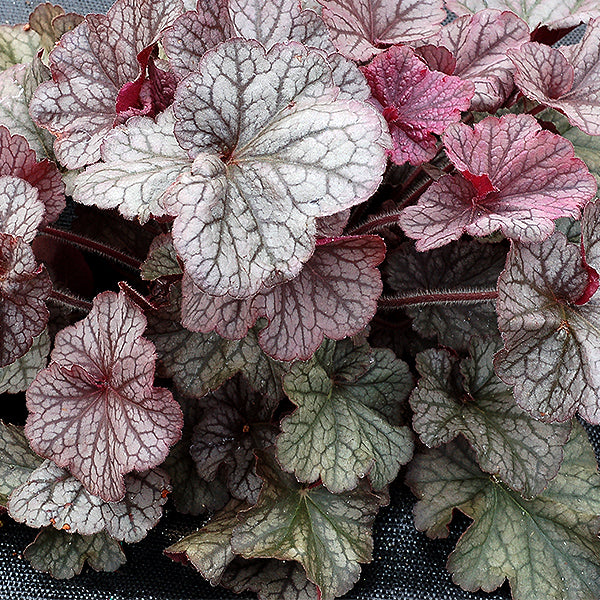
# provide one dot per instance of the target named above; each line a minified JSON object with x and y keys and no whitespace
{"x":551,"y":345}
{"x":52,"y":496}
{"x":415,"y":101}
{"x":21,"y":211}
{"x":360,"y":27}
{"x":554,"y":14}
{"x":335,"y":296}
{"x":567,"y":80}
{"x":515,"y":177}
{"x":101,"y":375}
{"x":17,"y":376}
{"x":266,"y":169}
{"x":90,"y":65}
{"x":333,"y":225}
{"x":24,"y":288}
{"x":437,"y":58}
{"x":479,"y":44}
{"x":236,"y":421}
{"x":19,"y":160}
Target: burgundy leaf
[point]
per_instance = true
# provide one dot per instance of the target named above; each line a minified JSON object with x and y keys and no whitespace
{"x":19,"y":160}
{"x":236,"y":421}
{"x":564,"y":78}
{"x":335,"y":295}
{"x":479,"y":44}
{"x":90,"y":66}
{"x":24,"y":288}
{"x":515,"y":177}
{"x":359,"y":27}
{"x":101,"y":375}
{"x":415,"y":101}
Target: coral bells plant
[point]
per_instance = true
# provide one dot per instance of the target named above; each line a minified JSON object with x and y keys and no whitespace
{"x":260,"y":259}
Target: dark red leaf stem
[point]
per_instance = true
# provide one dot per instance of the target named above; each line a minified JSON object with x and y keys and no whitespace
{"x":70,"y":301}
{"x":375,"y":224}
{"x":438,"y":297}
{"x":92,"y":246}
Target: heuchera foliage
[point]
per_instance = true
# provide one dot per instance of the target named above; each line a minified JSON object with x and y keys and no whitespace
{"x":259,"y":259}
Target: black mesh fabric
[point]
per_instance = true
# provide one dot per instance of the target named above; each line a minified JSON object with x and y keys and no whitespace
{"x":406,"y":565}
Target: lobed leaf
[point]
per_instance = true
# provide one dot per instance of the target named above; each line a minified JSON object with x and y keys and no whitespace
{"x":24,"y":287}
{"x":18,"y":44}
{"x":344,"y":427}
{"x":52,"y":496}
{"x":236,"y":421}
{"x":546,"y":547}
{"x":329,"y":535}
{"x":335,"y":296}
{"x":102,"y":375}
{"x":359,"y":27}
{"x":479,"y":44}
{"x":462,"y":264}
{"x":526,"y":454}
{"x":17,"y":376}
{"x":564,"y":79}
{"x":51,"y":22}
{"x":415,"y":101}
{"x":21,"y":211}
{"x":63,"y":554}
{"x":514,"y":177}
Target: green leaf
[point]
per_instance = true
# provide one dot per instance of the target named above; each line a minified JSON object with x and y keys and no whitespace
{"x":346,"y":424}
{"x":463,"y":264}
{"x":524,"y":453}
{"x":162,"y":259}
{"x":209,"y":549}
{"x":63,"y":554}
{"x":551,"y":349}
{"x":17,"y":376}
{"x":18,"y":44}
{"x":270,"y":579}
{"x":17,"y":460}
{"x":547,"y":547}
{"x":328,"y":534}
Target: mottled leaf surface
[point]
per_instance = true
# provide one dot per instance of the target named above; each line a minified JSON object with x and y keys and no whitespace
{"x":552,"y":13}
{"x":17,"y":460}
{"x":479,"y":44}
{"x":209,"y":549}
{"x":161,"y":260}
{"x":546,"y":547}
{"x":514,"y":177}
{"x":342,"y":429}
{"x":50,"y":22}
{"x":290,"y":152}
{"x":24,"y":287}
{"x":102,"y":375}
{"x":18,"y":44}
{"x":467,"y":398}
{"x":359,"y":27}
{"x":17,"y":376}
{"x":52,"y":496}
{"x":63,"y":554}
{"x":21,"y":211}
{"x":567,"y":80}
{"x":455,"y":266}
{"x":236,"y":421}
{"x":415,"y":101}
{"x":551,"y":345}
{"x":329,"y":535}
{"x":90,"y":66}
{"x":17,"y":159}
{"x":17,"y":85}
{"x":335,"y":296}
{"x":269,"y":579}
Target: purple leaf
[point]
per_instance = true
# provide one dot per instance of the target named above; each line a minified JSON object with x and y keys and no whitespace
{"x":19,"y":160}
{"x":415,"y":102}
{"x":514,"y":177}
{"x":102,"y":375}
{"x":90,"y":66}
{"x":236,"y":421}
{"x":479,"y":44}
{"x":554,"y":14}
{"x":551,"y":345}
{"x":21,"y":211}
{"x":566,"y":79}
{"x":24,"y":287}
{"x":359,"y":27}
{"x":52,"y":496}
{"x":335,"y":296}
